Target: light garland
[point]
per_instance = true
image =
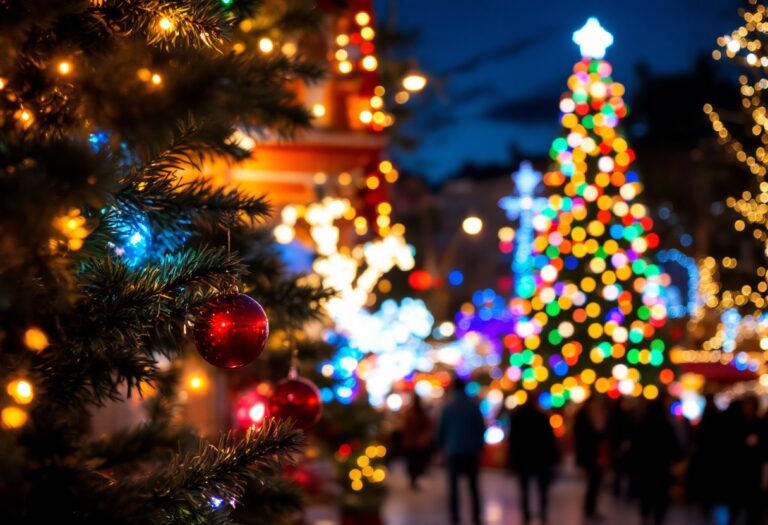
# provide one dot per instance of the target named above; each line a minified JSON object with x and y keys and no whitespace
{"x":523,"y":207}
{"x":694,"y":300}
{"x":745,"y":46}
{"x":364,"y":466}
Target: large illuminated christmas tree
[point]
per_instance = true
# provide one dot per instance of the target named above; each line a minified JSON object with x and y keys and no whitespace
{"x":599,"y":304}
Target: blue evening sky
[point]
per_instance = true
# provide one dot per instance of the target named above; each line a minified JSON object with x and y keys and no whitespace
{"x":498,"y":67}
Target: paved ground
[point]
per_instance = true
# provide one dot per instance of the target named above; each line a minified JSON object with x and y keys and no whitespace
{"x":501,"y":504}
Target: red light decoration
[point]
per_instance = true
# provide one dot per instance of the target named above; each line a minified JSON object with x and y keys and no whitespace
{"x":251,"y":409}
{"x":420,"y":280}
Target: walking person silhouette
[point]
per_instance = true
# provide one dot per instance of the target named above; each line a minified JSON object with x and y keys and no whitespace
{"x":460,"y":434}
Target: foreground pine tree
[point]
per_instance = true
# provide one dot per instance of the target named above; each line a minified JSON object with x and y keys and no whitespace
{"x":107,"y":251}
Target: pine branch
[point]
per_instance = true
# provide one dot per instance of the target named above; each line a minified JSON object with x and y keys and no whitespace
{"x":191,"y":24}
{"x":273,"y":501}
{"x":119,"y":312}
{"x":190,"y":145}
{"x":158,"y":438}
{"x":156,"y":293}
{"x":290,"y":302}
{"x":133,"y":447}
{"x":187,"y":487}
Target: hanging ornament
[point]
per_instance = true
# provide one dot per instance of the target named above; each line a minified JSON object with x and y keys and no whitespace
{"x":231,"y":331}
{"x":298,"y":399}
{"x":251,"y":409}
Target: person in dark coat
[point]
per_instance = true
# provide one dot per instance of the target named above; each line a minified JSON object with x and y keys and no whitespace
{"x":589,"y":434}
{"x":708,"y":465}
{"x":655,"y":448}
{"x":619,"y":431}
{"x":461,"y":433}
{"x":417,"y":435}
{"x":746,"y":446}
{"x":532,"y":454}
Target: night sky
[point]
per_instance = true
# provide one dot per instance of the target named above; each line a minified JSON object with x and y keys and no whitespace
{"x":498,"y":67}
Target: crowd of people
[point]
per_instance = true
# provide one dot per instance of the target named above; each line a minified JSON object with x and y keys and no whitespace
{"x":717,"y":463}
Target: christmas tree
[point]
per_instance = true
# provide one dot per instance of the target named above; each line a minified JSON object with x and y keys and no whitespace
{"x":599,"y":304}
{"x":112,"y":243}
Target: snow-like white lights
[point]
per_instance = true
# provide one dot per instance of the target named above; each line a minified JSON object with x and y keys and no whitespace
{"x":394,"y":402}
{"x":592,"y":39}
{"x":549,"y":273}
{"x":620,"y":371}
{"x":605,"y":164}
{"x":414,"y":82}
{"x":283,"y":233}
{"x":447,"y":329}
{"x":494,"y":435}
{"x":578,"y":394}
{"x":472,"y":225}
{"x":257,"y":412}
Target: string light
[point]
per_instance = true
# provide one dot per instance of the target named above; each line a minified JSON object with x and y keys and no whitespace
{"x":370,"y":63}
{"x":73,"y":226}
{"x":472,"y":225}
{"x":21,"y":391}
{"x":318,"y":110}
{"x":523,"y":207}
{"x":25,"y":118}
{"x":13,"y":417}
{"x":743,"y":46}
{"x":367,"y":33}
{"x":156,"y":79}
{"x":64,"y":67}
{"x":166,"y":24}
{"x":413,"y":82}
{"x":197,"y":382}
{"x":365,"y":468}
{"x":35,"y":339}
{"x":266,"y":45}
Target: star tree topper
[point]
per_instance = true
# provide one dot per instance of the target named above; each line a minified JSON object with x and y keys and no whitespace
{"x":592,"y":39}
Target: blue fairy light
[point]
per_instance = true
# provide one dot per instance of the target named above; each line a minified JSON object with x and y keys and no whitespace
{"x":731,"y":320}
{"x":133,"y":238}
{"x":523,"y":207}
{"x":455,"y":278}
{"x":98,"y":140}
{"x":694,"y":300}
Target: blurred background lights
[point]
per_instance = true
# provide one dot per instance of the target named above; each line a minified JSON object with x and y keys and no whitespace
{"x":21,"y":391}
{"x":414,"y":82}
{"x":472,"y":225}
{"x":35,"y":339}
{"x":494,"y":435}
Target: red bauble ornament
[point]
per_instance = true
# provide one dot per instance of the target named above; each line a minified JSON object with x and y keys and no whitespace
{"x":251,"y":409}
{"x":231,"y":331}
{"x":298,"y":399}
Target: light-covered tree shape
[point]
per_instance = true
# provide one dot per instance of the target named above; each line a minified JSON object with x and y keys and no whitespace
{"x":599,"y":300}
